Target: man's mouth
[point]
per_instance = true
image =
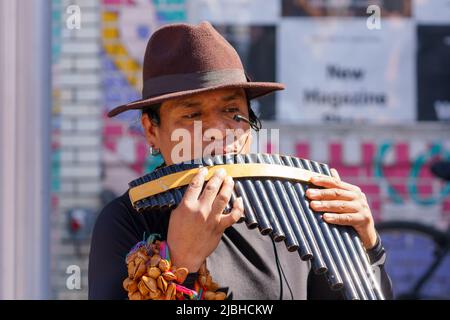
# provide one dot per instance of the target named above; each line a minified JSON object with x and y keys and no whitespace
{"x":223,"y":151}
{"x":219,"y":147}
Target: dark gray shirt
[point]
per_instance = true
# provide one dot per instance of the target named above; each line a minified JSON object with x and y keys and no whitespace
{"x":244,"y":264}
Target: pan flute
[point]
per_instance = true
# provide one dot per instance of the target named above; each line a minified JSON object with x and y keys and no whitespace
{"x":273,"y":189}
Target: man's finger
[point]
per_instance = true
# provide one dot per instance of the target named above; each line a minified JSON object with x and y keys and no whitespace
{"x":235,"y":214}
{"x":330,"y":194}
{"x":195,"y":187}
{"x":346,"y":219}
{"x":336,"y":206}
{"x":212,"y":188}
{"x":223,"y":197}
{"x":335,"y":174}
{"x":331,"y":182}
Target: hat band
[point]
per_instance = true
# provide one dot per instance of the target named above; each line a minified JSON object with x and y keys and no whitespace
{"x":191,"y":81}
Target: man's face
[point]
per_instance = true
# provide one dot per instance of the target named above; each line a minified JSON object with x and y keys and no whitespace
{"x":200,"y":125}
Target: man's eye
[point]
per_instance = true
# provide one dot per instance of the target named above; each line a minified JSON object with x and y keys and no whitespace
{"x":232,"y":109}
{"x":192,"y":115}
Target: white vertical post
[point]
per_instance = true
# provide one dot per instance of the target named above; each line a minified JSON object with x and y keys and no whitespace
{"x":25,"y":113}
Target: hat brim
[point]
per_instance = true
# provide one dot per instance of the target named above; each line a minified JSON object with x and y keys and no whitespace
{"x":253,"y":89}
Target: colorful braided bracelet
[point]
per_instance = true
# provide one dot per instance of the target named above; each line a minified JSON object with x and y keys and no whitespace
{"x":151,"y":276}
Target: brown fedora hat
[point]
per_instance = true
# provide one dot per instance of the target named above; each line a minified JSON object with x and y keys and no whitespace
{"x":183,"y":59}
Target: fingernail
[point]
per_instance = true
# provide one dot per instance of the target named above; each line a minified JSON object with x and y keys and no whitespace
{"x":312,"y":192}
{"x":204,"y":171}
{"x":230,"y":179}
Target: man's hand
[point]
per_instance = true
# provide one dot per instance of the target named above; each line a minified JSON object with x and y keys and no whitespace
{"x":197,"y":224}
{"x":344,"y":204}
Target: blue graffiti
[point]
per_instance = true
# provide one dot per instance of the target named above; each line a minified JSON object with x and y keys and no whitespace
{"x":422,"y":160}
{"x":378,"y":171}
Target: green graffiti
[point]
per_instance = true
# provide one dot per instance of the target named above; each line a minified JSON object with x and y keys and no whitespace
{"x":55,"y":171}
{"x":418,"y":164}
{"x":378,"y":171}
{"x":413,"y":177}
{"x":170,"y":10}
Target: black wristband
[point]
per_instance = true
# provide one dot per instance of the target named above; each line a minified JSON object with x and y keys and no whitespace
{"x":377,"y":252}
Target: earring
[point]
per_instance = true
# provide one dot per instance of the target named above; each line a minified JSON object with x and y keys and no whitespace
{"x":154,"y":151}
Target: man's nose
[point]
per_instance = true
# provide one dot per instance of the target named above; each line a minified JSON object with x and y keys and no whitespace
{"x":215,"y":127}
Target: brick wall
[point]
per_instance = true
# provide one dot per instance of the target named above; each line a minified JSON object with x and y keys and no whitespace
{"x":77,"y":140}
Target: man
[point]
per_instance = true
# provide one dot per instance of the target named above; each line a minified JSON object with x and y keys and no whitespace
{"x":192,"y":74}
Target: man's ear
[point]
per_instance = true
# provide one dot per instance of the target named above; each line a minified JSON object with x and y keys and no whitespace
{"x":151,"y":131}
